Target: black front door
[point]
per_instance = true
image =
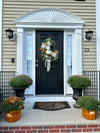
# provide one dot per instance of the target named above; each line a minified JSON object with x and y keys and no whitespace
{"x":49,"y":82}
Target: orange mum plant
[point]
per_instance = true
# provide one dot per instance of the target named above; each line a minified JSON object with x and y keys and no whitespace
{"x":12,"y":103}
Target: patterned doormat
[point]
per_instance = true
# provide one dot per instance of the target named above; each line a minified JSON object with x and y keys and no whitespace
{"x":50,"y":106}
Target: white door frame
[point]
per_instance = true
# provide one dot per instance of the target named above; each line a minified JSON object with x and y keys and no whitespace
{"x":76,"y":55}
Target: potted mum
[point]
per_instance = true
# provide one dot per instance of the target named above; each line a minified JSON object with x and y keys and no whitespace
{"x":20,"y":83}
{"x":78,"y":83}
{"x":89,"y":107}
{"x":12,"y":107}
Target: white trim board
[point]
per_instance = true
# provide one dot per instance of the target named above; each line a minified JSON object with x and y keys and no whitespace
{"x":98,"y":40}
{"x":98,"y":32}
{"x":0,"y":34}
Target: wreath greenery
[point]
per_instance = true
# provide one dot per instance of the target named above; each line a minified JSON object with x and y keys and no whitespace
{"x":48,"y":50}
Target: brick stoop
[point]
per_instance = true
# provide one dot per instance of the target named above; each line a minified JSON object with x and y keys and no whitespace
{"x":51,"y":129}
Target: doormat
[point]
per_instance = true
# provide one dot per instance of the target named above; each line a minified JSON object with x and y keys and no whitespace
{"x":50,"y":106}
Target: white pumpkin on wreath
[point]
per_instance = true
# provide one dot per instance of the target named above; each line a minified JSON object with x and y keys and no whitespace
{"x":49,"y":52}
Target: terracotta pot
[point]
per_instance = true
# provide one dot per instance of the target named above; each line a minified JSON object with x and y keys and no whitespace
{"x":90,"y":115}
{"x":13,"y":116}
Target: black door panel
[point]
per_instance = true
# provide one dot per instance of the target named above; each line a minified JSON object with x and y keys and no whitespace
{"x":49,"y":82}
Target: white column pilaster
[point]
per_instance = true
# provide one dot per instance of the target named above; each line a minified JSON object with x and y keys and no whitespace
{"x":77,"y":53}
{"x":20,"y":43}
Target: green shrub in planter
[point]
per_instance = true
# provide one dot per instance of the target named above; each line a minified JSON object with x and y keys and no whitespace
{"x":79,"y":82}
{"x":21,"y":81}
{"x":88,"y":103}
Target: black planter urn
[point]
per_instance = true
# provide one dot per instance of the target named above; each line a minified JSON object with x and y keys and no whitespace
{"x":20,"y":92}
{"x":77,"y":93}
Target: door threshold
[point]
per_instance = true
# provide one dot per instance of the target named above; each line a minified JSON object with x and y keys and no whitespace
{"x":50,"y":95}
{"x":48,"y":98}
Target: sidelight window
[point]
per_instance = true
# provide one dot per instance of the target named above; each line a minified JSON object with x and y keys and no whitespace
{"x":69,"y":55}
{"x":29,"y":55}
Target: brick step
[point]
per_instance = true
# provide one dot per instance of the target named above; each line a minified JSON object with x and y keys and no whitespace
{"x":52,"y":129}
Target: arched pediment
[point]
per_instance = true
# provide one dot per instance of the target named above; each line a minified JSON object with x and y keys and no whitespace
{"x":49,"y":16}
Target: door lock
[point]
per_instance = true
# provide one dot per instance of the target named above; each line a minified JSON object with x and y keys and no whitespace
{"x":37,"y":65}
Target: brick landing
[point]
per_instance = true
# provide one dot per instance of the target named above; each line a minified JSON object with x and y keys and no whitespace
{"x":51,"y":129}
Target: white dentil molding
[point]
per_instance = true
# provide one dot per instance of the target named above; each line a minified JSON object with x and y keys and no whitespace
{"x":0,"y":34}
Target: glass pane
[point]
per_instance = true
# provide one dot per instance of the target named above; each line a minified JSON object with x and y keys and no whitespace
{"x":69,"y":55}
{"x":69,"y":49}
{"x":29,"y":67}
{"x":29,"y":55}
{"x":69,"y":68}
{"x":69,"y":60}
{"x":69,"y":40}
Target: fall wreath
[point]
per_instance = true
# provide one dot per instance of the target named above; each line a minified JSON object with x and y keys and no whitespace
{"x":49,"y":52}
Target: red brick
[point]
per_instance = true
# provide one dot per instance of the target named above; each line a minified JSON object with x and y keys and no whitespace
{"x":65,"y":130}
{"x":3,"y":128}
{"x":92,"y":126}
{"x":59,"y":127}
{"x":14,"y":128}
{"x":48,"y":127}
{"x":31,"y":131}
{"x":37,"y":127}
{"x":82,"y":126}
{"x":96,"y":129}
{"x":8,"y":131}
{"x":19,"y":131}
{"x":87,"y":130}
{"x":54,"y":131}
{"x":76,"y":130}
{"x":42,"y":131}
{"x":25,"y":127}
{"x":70,"y":126}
